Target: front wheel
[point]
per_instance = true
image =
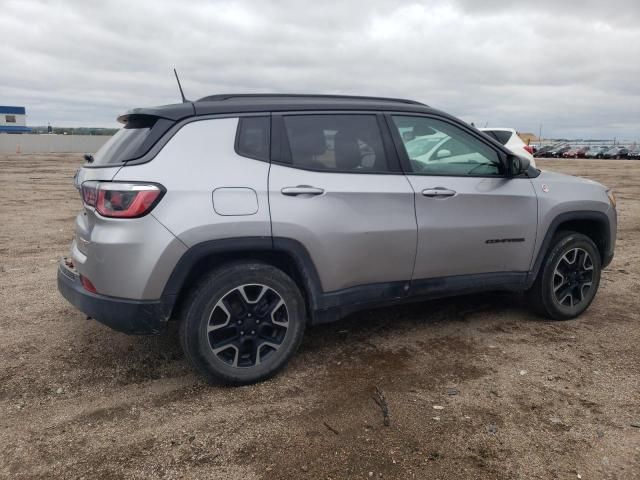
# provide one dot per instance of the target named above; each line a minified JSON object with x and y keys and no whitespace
{"x":569,"y":277}
{"x":242,"y":323}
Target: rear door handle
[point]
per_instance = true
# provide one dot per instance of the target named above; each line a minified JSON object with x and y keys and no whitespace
{"x":301,"y":190}
{"x":438,"y":192}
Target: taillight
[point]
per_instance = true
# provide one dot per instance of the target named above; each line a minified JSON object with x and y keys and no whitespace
{"x":90,"y":193}
{"x":529,"y":149}
{"x":121,"y":200}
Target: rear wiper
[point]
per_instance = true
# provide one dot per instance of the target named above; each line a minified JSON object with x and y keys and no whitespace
{"x":88,"y":157}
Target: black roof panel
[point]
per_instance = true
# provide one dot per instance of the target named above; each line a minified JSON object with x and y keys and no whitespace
{"x":301,"y":96}
{"x":219,"y":104}
{"x":247,"y":103}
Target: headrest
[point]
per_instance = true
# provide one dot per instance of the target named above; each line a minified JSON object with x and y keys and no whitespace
{"x":347,"y":151}
{"x":306,"y":142}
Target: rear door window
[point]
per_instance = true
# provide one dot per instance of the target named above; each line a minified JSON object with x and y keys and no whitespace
{"x":335,"y":142}
{"x":253,"y":137}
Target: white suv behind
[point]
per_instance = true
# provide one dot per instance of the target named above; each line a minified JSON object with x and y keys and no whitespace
{"x":510,"y":139}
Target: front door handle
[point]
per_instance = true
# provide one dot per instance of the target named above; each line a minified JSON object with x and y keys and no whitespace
{"x":438,"y":192}
{"x":301,"y":190}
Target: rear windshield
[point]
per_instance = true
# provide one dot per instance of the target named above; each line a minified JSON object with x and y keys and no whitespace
{"x":499,"y":135}
{"x":132,"y":141}
{"x":122,"y":146}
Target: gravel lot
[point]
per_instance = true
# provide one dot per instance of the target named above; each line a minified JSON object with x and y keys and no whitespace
{"x":517,"y":396}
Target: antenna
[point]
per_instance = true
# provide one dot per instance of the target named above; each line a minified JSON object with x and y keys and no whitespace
{"x":184,"y":100}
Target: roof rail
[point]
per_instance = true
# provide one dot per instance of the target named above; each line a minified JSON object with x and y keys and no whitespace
{"x":228,"y":96}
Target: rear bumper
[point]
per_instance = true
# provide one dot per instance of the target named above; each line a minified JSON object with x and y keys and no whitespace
{"x":134,"y":317}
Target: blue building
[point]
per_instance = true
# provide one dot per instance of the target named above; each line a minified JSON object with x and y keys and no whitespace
{"x":13,"y":120}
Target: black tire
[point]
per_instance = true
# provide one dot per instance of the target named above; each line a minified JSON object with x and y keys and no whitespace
{"x":221,"y":302}
{"x":564,"y":290}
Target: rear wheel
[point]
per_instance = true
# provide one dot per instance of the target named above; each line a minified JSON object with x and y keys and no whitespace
{"x":569,"y":277}
{"x":242,"y":323}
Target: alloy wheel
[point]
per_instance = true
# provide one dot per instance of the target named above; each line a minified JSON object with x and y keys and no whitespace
{"x":247,"y":325}
{"x":573,"y":278}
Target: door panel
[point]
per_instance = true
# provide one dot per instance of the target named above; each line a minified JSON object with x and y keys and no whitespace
{"x":488,"y":225}
{"x":360,"y":229}
{"x":471,"y":218}
{"x":331,"y":188}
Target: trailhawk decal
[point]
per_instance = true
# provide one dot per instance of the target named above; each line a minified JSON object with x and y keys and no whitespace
{"x":504,"y":240}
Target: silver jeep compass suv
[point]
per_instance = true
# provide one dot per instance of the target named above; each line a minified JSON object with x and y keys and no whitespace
{"x":248,"y":217}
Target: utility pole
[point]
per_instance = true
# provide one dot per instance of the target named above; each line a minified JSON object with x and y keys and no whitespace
{"x":540,"y":135}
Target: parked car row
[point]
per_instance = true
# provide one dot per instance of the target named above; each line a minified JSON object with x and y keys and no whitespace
{"x":565,"y":150}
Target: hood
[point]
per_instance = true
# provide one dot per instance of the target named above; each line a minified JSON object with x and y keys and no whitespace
{"x":555,"y":177}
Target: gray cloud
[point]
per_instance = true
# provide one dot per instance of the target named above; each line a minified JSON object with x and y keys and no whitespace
{"x":570,"y":66}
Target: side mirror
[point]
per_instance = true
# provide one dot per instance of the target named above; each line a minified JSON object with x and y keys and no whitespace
{"x":443,"y":154}
{"x":517,"y":165}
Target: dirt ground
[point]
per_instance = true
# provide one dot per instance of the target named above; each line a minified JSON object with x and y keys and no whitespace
{"x":477,"y":387}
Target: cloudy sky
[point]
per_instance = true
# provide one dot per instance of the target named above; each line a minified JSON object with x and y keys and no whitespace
{"x":571,"y":66}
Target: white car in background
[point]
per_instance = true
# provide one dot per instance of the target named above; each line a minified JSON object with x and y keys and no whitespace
{"x":510,"y":139}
